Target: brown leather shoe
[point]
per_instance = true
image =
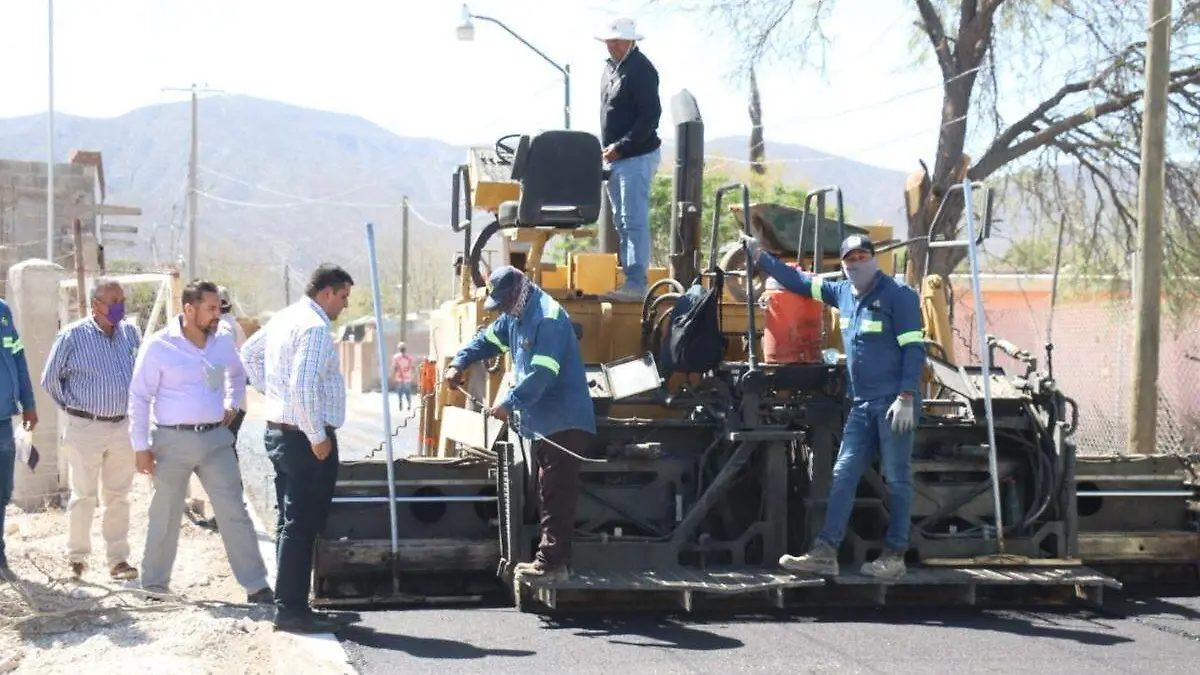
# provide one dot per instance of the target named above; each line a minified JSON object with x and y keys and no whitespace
{"x":123,"y":570}
{"x":77,"y":570}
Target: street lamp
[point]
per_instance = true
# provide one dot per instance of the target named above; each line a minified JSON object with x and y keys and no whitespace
{"x":466,"y":33}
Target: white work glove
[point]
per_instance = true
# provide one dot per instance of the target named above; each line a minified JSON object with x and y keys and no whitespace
{"x":901,"y":415}
{"x":752,"y":246}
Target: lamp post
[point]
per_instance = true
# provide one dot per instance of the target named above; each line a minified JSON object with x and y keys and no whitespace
{"x":466,"y":33}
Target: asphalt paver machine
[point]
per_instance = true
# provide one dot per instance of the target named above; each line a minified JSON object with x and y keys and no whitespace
{"x":696,"y":483}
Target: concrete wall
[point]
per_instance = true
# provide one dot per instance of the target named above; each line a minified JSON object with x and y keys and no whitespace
{"x":23,"y":211}
{"x":33,"y":297}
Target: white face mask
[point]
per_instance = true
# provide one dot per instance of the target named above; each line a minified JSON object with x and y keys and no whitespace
{"x":861,"y":274}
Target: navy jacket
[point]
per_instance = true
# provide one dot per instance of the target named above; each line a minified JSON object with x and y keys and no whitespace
{"x":16,"y":390}
{"x":551,"y":389}
{"x":881,"y":331}
{"x":629,"y":105}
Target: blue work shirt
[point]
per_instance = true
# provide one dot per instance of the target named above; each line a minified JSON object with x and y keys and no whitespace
{"x":881,"y":330}
{"x":551,"y":391}
{"x":16,"y":389}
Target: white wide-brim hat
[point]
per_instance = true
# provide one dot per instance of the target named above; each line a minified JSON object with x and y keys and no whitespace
{"x":620,"y":29}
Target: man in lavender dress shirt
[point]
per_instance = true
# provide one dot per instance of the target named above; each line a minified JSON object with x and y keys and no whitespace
{"x":193,"y":379}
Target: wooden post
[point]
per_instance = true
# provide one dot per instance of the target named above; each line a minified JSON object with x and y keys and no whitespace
{"x":80,"y":289}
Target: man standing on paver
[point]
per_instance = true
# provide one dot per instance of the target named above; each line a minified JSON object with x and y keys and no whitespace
{"x":880,"y":319}
{"x":294,"y":363}
{"x":18,"y":399}
{"x":190,"y":375}
{"x":402,"y":372}
{"x":87,"y":374}
{"x":550,"y":393}
{"x":629,"y":115}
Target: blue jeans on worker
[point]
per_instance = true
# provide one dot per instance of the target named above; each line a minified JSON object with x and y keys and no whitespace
{"x":868,"y":432}
{"x":304,"y":487}
{"x":8,"y":462}
{"x":629,"y":193}
{"x":404,"y":390}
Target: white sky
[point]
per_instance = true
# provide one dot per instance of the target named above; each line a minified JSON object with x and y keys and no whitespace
{"x":398,"y":63}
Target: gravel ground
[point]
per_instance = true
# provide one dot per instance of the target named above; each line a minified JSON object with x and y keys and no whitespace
{"x":52,"y":624}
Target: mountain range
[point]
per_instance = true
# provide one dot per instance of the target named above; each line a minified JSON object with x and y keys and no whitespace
{"x":280,"y":183}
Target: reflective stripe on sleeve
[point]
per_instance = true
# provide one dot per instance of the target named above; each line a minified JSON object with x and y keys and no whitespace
{"x":817,"y":283}
{"x":545,"y":362}
{"x":490,"y":334}
{"x":14,"y":346}
{"x":908,"y":338}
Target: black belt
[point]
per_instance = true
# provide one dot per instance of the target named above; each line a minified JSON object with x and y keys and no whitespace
{"x":95,"y":418}
{"x":280,"y":426}
{"x":198,"y":428}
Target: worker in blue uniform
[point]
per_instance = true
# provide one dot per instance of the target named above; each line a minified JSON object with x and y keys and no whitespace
{"x":880,"y":320}
{"x":550,"y":397}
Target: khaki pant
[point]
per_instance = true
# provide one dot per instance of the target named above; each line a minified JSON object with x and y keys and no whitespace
{"x":101,"y":468}
{"x":209,"y":454}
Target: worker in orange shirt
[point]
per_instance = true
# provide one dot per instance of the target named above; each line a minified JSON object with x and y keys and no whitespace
{"x":402,"y":374}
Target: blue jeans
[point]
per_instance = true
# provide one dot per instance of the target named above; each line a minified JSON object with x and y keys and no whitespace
{"x":404,"y":391}
{"x":8,"y":460}
{"x":629,"y":192}
{"x":868,"y":430}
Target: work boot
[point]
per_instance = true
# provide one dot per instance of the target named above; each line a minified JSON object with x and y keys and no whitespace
{"x":540,"y":570}
{"x":888,"y":566}
{"x":261,"y":597}
{"x":123,"y":570}
{"x":77,"y":570}
{"x":626,"y":293}
{"x":820,"y":560}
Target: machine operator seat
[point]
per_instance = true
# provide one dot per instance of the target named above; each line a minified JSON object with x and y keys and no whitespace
{"x":560,"y":174}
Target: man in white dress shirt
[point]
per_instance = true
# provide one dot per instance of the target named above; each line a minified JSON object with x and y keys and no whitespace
{"x":188,"y":381}
{"x":293,"y":362}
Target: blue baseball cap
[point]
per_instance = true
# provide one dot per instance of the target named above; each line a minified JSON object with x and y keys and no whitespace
{"x":503,"y":286}
{"x":857,"y":242}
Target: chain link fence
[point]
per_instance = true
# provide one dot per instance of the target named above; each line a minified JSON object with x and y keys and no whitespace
{"x":1092,"y":358}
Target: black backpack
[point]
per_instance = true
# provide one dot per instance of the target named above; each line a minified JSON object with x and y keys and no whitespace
{"x":694,"y":343}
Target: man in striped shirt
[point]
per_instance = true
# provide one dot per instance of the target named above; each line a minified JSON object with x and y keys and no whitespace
{"x":293,"y":362}
{"x":87,"y":374}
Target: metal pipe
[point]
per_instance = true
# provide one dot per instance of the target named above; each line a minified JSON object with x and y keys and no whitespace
{"x":1137,"y":493}
{"x":985,"y":360}
{"x":409,"y":500}
{"x":387,"y":412}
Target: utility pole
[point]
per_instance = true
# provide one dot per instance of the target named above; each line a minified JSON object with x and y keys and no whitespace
{"x":193,"y":157}
{"x":1143,"y":415}
{"x":50,"y":229}
{"x":404,"y":272}
{"x":287,"y":283}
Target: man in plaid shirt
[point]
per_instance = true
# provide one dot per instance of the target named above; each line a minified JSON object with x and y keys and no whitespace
{"x":293,"y":362}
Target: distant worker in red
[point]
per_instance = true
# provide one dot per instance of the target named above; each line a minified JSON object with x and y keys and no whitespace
{"x":402,"y":374}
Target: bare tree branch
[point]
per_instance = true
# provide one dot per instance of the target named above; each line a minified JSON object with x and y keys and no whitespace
{"x":1002,"y":152}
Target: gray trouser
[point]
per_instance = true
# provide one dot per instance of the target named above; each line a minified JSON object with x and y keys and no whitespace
{"x":209,"y":455}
